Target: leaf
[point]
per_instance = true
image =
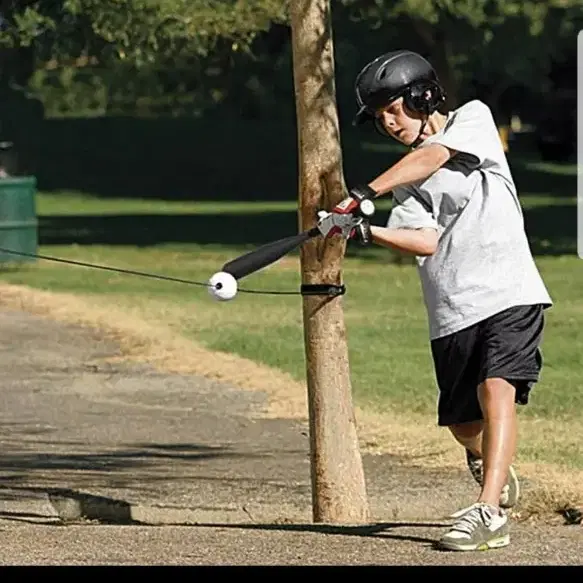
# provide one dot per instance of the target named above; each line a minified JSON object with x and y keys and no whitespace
{"x":141,"y":30}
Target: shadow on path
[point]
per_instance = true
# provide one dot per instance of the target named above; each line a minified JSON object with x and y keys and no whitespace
{"x":376,"y":529}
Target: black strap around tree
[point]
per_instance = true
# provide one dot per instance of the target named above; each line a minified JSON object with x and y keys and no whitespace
{"x":322,"y":289}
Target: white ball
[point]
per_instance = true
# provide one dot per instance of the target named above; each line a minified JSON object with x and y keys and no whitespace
{"x":367,"y":207}
{"x":222,"y":286}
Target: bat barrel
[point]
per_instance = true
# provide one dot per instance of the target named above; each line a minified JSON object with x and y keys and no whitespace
{"x":266,"y":254}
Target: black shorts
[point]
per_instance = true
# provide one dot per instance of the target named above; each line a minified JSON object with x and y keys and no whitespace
{"x":505,"y":345}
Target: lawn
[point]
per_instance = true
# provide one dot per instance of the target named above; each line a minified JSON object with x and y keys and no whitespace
{"x":386,"y":322}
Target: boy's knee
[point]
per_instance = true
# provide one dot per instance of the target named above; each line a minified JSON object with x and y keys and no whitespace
{"x":496,"y":396}
{"x":497,"y":388}
{"x":466,"y":431}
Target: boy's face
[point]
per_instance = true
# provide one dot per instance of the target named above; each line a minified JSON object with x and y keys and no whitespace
{"x":402,"y":124}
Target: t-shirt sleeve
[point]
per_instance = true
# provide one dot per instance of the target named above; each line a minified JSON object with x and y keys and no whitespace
{"x":471,"y":131}
{"x":409,"y":213}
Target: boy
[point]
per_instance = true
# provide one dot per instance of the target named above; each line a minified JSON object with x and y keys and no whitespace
{"x":456,"y":209}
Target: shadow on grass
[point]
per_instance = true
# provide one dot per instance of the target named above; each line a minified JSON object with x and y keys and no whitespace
{"x":226,"y":159}
{"x":552,"y":229}
{"x":154,"y":229}
{"x":534,"y":178}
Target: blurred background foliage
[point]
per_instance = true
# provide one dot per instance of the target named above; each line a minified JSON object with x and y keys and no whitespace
{"x":157,"y":95}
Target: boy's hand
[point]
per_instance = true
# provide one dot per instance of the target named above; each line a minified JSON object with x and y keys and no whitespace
{"x":331,"y":224}
{"x":346,"y":225}
{"x":353,"y":203}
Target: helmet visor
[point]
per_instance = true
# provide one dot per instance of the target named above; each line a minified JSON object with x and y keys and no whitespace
{"x":374,"y":102}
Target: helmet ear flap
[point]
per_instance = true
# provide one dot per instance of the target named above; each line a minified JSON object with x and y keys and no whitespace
{"x":424,"y":97}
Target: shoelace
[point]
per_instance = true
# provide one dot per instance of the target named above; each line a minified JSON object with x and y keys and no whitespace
{"x":471,"y":519}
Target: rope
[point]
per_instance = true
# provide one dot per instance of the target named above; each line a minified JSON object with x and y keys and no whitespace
{"x":138,"y":273}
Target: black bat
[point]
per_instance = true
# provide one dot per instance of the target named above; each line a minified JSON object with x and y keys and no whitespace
{"x":267,"y":254}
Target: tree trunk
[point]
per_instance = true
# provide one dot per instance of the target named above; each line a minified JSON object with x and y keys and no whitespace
{"x":338,"y":484}
{"x":442,"y":61}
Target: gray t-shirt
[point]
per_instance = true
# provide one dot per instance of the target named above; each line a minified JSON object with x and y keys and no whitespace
{"x":483,"y":263}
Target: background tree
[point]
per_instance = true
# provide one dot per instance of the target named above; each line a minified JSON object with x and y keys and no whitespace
{"x":162,"y":45}
{"x":492,"y":45}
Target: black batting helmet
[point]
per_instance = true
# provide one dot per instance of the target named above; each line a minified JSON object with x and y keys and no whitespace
{"x":397,"y":74}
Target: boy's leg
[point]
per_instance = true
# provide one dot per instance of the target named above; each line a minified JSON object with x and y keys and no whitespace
{"x":497,"y":401}
{"x":458,"y":364}
{"x":484,"y":525}
{"x":457,"y":360}
{"x":511,"y":363}
{"x":470,"y":435}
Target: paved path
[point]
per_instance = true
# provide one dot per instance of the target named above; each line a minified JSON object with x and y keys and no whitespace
{"x":106,"y":463}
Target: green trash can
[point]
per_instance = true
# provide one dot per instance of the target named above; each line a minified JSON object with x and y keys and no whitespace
{"x":18,"y":220}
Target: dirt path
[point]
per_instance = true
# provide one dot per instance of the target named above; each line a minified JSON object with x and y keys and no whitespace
{"x":116,"y":450}
{"x":398,"y":544}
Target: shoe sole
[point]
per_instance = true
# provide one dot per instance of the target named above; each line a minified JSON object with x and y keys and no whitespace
{"x":495,"y":543}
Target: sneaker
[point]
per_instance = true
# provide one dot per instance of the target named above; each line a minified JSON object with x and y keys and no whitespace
{"x":478,"y":528}
{"x":510,"y":492}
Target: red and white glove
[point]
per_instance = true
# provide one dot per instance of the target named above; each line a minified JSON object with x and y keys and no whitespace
{"x":331,"y":224}
{"x":359,"y":202}
{"x":347,"y":225}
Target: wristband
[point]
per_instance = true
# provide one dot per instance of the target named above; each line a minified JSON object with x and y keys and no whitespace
{"x":364,"y":233}
{"x":362,"y":192}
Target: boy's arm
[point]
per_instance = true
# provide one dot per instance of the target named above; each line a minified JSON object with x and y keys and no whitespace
{"x":413,"y":167}
{"x":420,"y":242}
{"x":411,"y":226}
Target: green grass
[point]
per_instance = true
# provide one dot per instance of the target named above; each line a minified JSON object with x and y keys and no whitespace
{"x":385,"y":316}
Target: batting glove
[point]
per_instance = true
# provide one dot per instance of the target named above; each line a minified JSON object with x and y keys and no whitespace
{"x":361,"y":233}
{"x":359,"y":201}
{"x":331,"y":224}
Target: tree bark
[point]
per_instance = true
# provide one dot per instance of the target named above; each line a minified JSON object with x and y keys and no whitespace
{"x":338,"y":483}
